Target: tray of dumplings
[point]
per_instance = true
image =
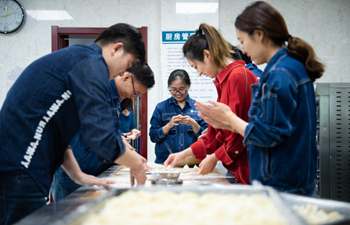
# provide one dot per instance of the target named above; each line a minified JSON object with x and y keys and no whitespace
{"x":236,"y":204}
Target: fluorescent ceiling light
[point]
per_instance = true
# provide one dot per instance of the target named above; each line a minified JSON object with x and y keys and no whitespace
{"x":49,"y":14}
{"x":196,"y":7}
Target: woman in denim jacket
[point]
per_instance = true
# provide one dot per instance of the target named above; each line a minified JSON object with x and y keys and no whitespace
{"x":281,"y":132}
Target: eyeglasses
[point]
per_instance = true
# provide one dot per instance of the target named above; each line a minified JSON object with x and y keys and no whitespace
{"x":181,"y":90}
{"x":133,"y":86}
{"x":136,"y":94}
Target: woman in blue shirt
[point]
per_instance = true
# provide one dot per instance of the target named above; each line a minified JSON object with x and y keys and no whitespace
{"x":281,"y":132}
{"x":126,"y":116}
{"x":175,"y":123}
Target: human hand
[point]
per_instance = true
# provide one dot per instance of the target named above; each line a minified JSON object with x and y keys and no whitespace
{"x":190,"y":121}
{"x":217,"y":114}
{"x":175,"y":120}
{"x":132,"y":135}
{"x":136,"y":163}
{"x":139,"y":173}
{"x":208,"y":164}
{"x":86,"y":179}
{"x":175,"y":159}
{"x":139,"y":167}
{"x":185,"y":157}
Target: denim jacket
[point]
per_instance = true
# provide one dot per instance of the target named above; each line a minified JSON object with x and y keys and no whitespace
{"x":256,"y":71}
{"x":179,"y":137}
{"x":54,"y":97}
{"x":281,"y":134}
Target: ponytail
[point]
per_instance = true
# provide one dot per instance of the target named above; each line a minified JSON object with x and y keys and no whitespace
{"x":262,"y":16}
{"x":218,"y":46}
{"x":302,"y":51}
{"x":207,"y":38}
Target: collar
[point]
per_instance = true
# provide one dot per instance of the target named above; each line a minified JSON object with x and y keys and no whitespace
{"x":114,"y":90}
{"x":172,"y":100}
{"x":279,"y":54}
{"x":223,"y":74}
{"x":96,"y":48}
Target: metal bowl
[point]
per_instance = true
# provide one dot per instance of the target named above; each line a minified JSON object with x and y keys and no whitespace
{"x":168,"y":175}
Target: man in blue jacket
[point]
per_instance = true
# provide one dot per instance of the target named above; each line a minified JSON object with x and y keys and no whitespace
{"x":54,"y":97}
{"x":129,"y":85}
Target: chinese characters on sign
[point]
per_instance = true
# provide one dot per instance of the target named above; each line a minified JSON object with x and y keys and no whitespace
{"x":172,"y":58}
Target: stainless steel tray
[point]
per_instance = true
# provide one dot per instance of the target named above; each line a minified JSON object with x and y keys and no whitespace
{"x":327,"y":205}
{"x":77,"y":217}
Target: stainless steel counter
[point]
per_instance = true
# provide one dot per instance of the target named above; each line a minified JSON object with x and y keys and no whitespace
{"x":55,"y":212}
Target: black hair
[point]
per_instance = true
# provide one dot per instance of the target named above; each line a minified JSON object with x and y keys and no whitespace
{"x":128,"y":35}
{"x":262,"y":16}
{"x":126,"y":104}
{"x":238,"y":54}
{"x":179,"y":74}
{"x":143,"y":74}
{"x":207,"y":38}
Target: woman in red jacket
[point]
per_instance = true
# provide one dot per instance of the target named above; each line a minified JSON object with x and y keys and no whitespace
{"x":209,"y":53}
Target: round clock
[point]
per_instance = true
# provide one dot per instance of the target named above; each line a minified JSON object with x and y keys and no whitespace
{"x":11,"y":16}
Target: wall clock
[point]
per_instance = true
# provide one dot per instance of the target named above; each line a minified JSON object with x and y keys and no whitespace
{"x":11,"y":16}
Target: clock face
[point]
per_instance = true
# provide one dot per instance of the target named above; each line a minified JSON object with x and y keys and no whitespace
{"x":11,"y":16}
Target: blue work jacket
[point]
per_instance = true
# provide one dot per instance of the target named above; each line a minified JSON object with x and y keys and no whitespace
{"x":281,"y":134}
{"x":54,"y":97}
{"x":179,"y":137}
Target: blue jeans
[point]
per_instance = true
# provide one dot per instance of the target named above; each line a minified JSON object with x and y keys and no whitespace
{"x":89,"y":163}
{"x":19,"y":196}
{"x":62,"y":185}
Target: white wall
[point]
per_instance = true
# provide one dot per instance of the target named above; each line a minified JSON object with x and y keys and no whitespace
{"x":34,"y":39}
{"x":323,"y":23}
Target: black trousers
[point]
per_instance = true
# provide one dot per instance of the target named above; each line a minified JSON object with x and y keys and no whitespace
{"x":19,"y":196}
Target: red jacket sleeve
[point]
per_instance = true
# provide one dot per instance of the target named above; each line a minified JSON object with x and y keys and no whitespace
{"x":238,"y":98}
{"x":207,"y":144}
{"x":236,"y":93}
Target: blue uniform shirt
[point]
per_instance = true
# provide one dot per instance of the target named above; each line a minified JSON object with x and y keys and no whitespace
{"x":127,"y":123}
{"x":88,"y":161}
{"x":281,"y":134}
{"x":179,"y":137}
{"x":54,"y":97}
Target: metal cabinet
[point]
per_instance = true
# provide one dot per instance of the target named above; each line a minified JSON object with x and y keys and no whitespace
{"x":334,"y":140}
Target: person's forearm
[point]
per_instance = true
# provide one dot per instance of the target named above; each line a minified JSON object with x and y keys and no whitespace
{"x":128,"y":159}
{"x":238,"y":125}
{"x":196,"y":127}
{"x":189,"y":158}
{"x":71,"y":166}
{"x":166,"y":129}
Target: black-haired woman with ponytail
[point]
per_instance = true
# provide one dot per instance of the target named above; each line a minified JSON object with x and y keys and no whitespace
{"x":281,"y":132}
